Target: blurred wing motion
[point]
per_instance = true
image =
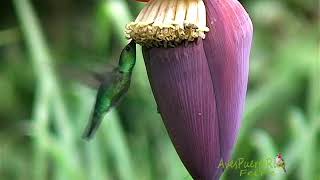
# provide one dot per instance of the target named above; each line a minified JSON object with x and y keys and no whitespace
{"x":90,"y":75}
{"x":112,"y":88}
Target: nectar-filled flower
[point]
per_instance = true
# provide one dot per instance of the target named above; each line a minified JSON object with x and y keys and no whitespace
{"x":197,"y":58}
{"x":168,"y":23}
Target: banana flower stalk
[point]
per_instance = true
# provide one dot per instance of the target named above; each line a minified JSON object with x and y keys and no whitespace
{"x":197,"y":57}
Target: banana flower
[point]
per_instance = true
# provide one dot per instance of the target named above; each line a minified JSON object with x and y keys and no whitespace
{"x":197,"y":57}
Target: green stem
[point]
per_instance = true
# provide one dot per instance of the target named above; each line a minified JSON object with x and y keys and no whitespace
{"x":260,"y":102}
{"x":49,"y":90}
{"x":118,"y":146}
{"x":308,"y":168}
{"x":43,"y":92}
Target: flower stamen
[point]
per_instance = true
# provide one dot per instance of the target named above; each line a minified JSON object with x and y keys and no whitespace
{"x":168,"y":23}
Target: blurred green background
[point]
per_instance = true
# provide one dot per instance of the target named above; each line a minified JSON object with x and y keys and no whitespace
{"x":43,"y":114}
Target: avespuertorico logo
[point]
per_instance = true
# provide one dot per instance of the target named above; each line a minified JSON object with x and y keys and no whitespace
{"x":247,"y":167}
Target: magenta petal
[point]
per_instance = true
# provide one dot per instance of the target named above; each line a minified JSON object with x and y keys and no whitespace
{"x":227,"y":47}
{"x":182,"y":86}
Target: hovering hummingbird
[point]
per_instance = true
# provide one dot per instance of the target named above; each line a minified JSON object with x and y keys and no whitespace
{"x":280,"y":162}
{"x":112,"y":88}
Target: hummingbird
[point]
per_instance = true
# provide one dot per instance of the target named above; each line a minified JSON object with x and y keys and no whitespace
{"x":280,"y":162}
{"x":112,"y":88}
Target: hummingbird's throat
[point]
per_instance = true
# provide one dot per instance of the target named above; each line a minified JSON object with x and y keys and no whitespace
{"x":168,"y":23}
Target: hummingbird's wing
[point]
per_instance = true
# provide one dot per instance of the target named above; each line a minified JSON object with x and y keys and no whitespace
{"x":91,"y":76}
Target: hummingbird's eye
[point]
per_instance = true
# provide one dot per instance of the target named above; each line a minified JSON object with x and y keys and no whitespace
{"x":127,"y":48}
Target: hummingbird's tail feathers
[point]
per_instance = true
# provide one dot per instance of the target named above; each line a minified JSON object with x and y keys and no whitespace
{"x":92,"y":127}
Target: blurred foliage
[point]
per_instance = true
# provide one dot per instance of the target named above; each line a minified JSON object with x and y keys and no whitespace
{"x":43,"y":113}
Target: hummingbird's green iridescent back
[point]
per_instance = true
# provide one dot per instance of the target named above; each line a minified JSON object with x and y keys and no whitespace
{"x":112,"y":88}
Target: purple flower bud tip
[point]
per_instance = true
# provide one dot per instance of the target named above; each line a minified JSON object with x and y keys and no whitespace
{"x":200,"y":88}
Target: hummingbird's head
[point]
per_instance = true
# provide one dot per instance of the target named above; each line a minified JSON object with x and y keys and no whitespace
{"x":279,"y":156}
{"x":128,"y":57}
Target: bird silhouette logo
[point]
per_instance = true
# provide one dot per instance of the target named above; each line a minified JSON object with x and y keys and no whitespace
{"x":280,"y":162}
